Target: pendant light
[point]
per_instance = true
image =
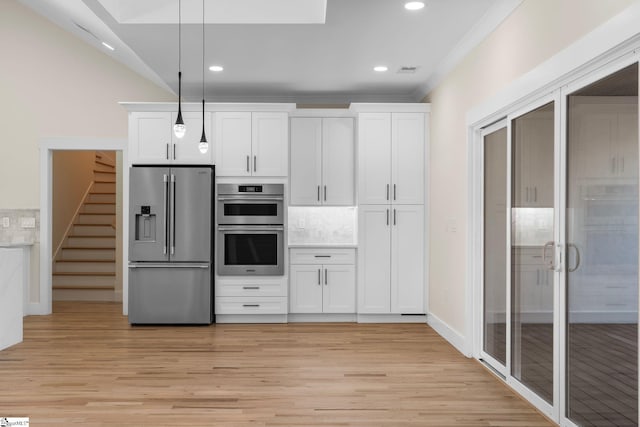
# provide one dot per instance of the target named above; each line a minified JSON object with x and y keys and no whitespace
{"x":179,"y":129}
{"x":203,"y":146}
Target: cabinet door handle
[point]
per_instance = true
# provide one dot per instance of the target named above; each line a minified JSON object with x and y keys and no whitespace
{"x":325,"y":277}
{"x":394,"y":192}
{"x":255,"y":163}
{"x":251,"y":305}
{"x":387,"y":216}
{"x":394,"y":217}
{"x":325,"y":193}
{"x":387,"y":191}
{"x":318,"y":193}
{"x":319,"y":276}
{"x":251,"y":287}
{"x":174,"y":151}
{"x":323,"y":256}
{"x":247,"y":163}
{"x":167,"y":152}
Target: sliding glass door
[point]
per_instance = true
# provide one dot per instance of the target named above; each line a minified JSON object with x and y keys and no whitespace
{"x":602,"y":252}
{"x":560,"y":250}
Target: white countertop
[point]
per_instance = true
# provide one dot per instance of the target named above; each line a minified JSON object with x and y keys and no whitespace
{"x":15,"y":244}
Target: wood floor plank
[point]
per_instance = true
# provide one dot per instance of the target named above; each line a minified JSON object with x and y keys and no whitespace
{"x":84,"y":365}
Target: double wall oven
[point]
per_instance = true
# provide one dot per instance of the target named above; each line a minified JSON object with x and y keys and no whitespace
{"x":250,"y":229}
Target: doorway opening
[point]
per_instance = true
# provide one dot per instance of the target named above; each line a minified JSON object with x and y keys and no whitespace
{"x":86,"y":239}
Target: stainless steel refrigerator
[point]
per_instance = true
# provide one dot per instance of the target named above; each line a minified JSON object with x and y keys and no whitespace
{"x":171,"y":245}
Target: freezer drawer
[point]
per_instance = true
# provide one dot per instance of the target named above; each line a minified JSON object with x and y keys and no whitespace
{"x":170,"y":294}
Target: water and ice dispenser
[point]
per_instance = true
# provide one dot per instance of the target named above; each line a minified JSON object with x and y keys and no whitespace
{"x":145,"y":224}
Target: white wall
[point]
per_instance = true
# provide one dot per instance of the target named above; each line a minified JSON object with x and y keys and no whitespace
{"x":533,"y":33}
{"x":54,"y":85}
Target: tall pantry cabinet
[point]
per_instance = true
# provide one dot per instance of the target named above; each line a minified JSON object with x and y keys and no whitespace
{"x":391,"y":250}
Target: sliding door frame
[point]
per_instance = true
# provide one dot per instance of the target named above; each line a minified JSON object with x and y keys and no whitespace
{"x":558,"y":93}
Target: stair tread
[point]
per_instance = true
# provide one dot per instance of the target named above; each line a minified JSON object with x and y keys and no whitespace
{"x":83,"y":273}
{"x":100,"y":162}
{"x":95,"y":213}
{"x":99,"y":203}
{"x":99,"y":171}
{"x":97,"y":224}
{"x":83,"y":287}
{"x":86,"y":260}
{"x":102,"y":192}
{"x":104,"y":182}
{"x":91,"y":235}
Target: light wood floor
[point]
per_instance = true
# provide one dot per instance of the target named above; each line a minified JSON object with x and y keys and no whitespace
{"x":85,"y":365}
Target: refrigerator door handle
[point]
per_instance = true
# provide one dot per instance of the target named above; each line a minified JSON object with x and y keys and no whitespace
{"x":173,"y":214}
{"x":168,"y":265}
{"x":165,"y":190}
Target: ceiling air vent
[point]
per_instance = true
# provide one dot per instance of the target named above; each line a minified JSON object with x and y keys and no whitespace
{"x":407,"y":70}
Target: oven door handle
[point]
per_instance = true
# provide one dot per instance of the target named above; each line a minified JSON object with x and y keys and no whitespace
{"x":250,"y":199}
{"x":244,"y":228}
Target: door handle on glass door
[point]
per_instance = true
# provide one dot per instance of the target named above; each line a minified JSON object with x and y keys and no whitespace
{"x":569,"y":246}
{"x":550,"y":264}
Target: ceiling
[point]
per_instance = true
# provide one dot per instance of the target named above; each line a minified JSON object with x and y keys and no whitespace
{"x":284,"y":52}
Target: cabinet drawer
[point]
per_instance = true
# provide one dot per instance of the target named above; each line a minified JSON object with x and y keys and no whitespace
{"x":323,"y":256}
{"x":251,"y":305}
{"x":252,"y":288}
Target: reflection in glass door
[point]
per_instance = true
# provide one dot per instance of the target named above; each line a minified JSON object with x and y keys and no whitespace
{"x":602,"y":252}
{"x":532,"y":247}
{"x":495,"y":248}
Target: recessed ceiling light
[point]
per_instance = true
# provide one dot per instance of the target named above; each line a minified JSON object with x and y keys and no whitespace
{"x":414,"y":5}
{"x":380,"y":68}
{"x":216,"y":68}
{"x":108,"y":46}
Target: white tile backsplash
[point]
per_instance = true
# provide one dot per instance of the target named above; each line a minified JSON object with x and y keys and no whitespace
{"x":323,"y":225}
{"x":23,"y":225}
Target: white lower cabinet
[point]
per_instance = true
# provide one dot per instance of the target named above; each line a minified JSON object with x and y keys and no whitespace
{"x":325,"y":283}
{"x":248,"y":295}
{"x":391,"y":259}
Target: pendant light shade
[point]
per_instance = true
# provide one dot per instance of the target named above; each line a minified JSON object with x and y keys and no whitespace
{"x":203,"y":146}
{"x":179,"y":129}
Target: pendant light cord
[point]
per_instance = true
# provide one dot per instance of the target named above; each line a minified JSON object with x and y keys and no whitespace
{"x":203,"y":139}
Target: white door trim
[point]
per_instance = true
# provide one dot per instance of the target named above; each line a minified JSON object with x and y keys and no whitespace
{"x":47,"y":146}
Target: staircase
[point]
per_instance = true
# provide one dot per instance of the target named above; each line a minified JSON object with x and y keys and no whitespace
{"x":84,"y":268}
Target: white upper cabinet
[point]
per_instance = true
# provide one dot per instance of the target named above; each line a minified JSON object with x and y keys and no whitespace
{"x":374,"y":144}
{"x":338,"y":162}
{"x":251,"y":144}
{"x":322,"y":161}
{"x":233,"y":144}
{"x":391,"y":158}
{"x":150,"y":137}
{"x":407,"y":157}
{"x":152,"y":140}
{"x":306,"y":163}
{"x":270,"y":142}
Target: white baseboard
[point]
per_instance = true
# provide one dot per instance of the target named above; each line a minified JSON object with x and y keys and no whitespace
{"x":446,"y":332}
{"x":392,"y":318}
{"x":37,"y":309}
{"x":251,"y":318}
{"x":321,"y":317}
